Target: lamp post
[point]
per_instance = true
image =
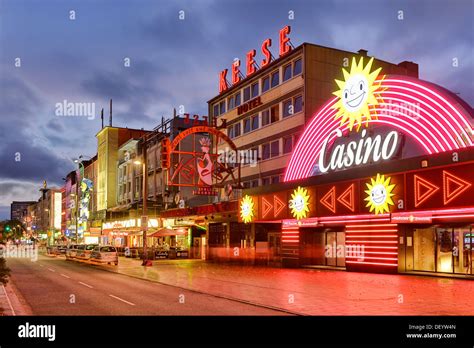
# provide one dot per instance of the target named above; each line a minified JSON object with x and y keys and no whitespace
{"x":145,"y":198}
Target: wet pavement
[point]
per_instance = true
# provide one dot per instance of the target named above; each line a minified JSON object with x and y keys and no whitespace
{"x":312,"y":291}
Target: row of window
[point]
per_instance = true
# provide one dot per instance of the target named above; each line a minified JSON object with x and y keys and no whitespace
{"x":271,"y":115}
{"x":268,"y":180}
{"x":264,"y":84}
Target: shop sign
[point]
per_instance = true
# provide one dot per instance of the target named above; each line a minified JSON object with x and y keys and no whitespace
{"x":379,"y":194}
{"x":299,"y":203}
{"x":309,"y":222}
{"x":411,"y":218}
{"x":250,"y":105}
{"x":285,"y":47}
{"x":119,"y":224}
{"x":247,"y":209}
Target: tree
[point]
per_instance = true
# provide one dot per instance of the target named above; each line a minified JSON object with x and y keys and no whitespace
{"x":4,"y":271}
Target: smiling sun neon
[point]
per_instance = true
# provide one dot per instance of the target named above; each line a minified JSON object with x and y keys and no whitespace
{"x":356,"y":93}
{"x":247,"y":209}
{"x":379,"y":194}
{"x":299,"y":203}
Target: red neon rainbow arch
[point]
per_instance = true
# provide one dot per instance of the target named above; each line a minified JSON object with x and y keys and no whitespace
{"x":435,"y":120}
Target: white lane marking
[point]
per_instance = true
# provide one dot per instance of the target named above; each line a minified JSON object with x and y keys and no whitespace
{"x":121,"y":299}
{"x":8,"y":300}
{"x":41,"y":265}
{"x":89,"y":286}
{"x":52,"y":270}
{"x":65,"y":276}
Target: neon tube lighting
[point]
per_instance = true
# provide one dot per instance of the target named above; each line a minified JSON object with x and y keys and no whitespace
{"x":373,"y":263}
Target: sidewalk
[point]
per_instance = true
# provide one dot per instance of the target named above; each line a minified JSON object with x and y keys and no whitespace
{"x":310,"y":292}
{"x":11,"y":301}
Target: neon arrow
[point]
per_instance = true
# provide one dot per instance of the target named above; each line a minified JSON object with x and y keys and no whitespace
{"x":267,"y":207}
{"x":461,"y":186}
{"x":331,"y":203}
{"x":430,"y":189}
{"x":278,"y":206}
{"x":347,"y":198}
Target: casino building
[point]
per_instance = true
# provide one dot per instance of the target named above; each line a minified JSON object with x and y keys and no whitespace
{"x":379,"y":180}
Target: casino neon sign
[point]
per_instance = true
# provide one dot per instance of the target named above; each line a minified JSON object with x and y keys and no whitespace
{"x":425,"y":112}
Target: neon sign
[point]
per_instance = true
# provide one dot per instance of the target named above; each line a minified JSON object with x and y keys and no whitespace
{"x":437,"y":122}
{"x":285,"y":47}
{"x":247,"y":212}
{"x":379,"y":194}
{"x":299,"y":203}
{"x":345,"y":156}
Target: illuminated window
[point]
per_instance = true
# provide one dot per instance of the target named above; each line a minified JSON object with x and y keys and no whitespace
{"x":297,"y":67}
{"x":274,"y":114}
{"x":247,"y":125}
{"x":275,"y":148}
{"x":222,"y":107}
{"x":237,"y":129}
{"x":287,"y":108}
{"x":246,"y":93}
{"x":287,"y":144}
{"x":265,"y":84}
{"x":265,"y":151}
{"x":216,"y":110}
{"x":237,"y":99}
{"x":265,"y":117}
{"x":255,"y":90}
{"x":275,"y":78}
{"x":230,"y":104}
{"x":287,"y":72}
{"x":298,"y":104}
{"x":254,"y":122}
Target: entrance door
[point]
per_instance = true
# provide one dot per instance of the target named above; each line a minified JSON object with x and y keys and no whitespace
{"x":274,"y":246}
{"x":322,"y":247}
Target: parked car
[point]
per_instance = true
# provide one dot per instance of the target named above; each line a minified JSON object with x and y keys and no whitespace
{"x":105,"y":254}
{"x":84,"y":252}
{"x":62,"y":249}
{"x":71,"y":251}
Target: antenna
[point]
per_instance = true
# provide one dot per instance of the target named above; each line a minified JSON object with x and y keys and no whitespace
{"x":110,"y":117}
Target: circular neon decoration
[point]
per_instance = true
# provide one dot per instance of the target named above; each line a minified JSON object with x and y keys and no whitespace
{"x":247,"y":209}
{"x":299,"y":203}
{"x":379,"y":194}
{"x":427,"y":113}
{"x":356,"y":93}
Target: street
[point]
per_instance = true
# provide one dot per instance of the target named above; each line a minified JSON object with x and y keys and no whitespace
{"x":49,"y":284}
{"x":194,"y":287}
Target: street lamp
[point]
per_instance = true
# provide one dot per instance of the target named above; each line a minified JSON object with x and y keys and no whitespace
{"x":145,"y":198}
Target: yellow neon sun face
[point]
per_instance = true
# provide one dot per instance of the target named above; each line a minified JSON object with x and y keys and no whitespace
{"x":299,"y":203}
{"x":356,"y":93}
{"x":379,"y":194}
{"x":247,"y":209}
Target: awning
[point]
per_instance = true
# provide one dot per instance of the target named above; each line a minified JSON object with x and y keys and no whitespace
{"x":169,"y":232}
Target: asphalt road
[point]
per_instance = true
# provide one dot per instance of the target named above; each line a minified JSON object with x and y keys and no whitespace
{"x":54,"y":286}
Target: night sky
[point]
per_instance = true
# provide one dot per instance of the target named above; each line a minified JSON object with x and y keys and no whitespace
{"x":176,"y":62}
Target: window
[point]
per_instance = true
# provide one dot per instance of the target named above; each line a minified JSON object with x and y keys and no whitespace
{"x":254,"y":122}
{"x":237,"y":99}
{"x":216,"y":110}
{"x":255,"y":90}
{"x":265,"y":151}
{"x":295,"y":138}
{"x":254,"y":154}
{"x":275,"y":78}
{"x":297,"y":67}
{"x":230,"y":132}
{"x":230,"y":104}
{"x":247,"y":125}
{"x":265,"y":117}
{"x":287,"y":72}
{"x":254,"y":183}
{"x":266,"y":181}
{"x":287,"y":144}
{"x":274,"y":114}
{"x":237,"y":129}
{"x":246,"y":93}
{"x":246,"y":184}
{"x":275,"y":179}
{"x":222,"y":107}
{"x":265,"y":84}
{"x":275,"y":148}
{"x":298,"y":104}
{"x":287,"y":108}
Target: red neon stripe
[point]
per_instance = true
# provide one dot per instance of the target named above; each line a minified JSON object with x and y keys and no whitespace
{"x":374,"y":225}
{"x":373,"y":263}
{"x":372,"y":258}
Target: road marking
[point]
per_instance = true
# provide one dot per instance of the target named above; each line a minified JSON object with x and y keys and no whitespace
{"x":8,"y":300}
{"x":41,"y":265}
{"x":65,"y":276}
{"x":121,"y":299}
{"x":52,"y":270}
{"x":89,"y":286}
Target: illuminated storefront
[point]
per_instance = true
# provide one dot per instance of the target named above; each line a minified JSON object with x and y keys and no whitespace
{"x":381,"y":180}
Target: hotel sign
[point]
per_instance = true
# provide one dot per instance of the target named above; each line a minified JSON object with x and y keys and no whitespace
{"x":251,"y":63}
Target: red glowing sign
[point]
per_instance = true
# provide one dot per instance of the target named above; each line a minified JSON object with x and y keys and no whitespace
{"x":285,"y":47}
